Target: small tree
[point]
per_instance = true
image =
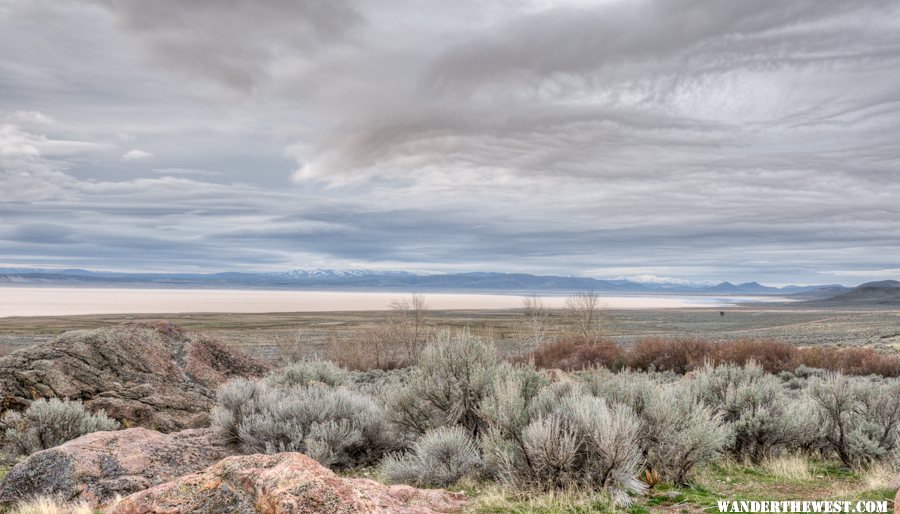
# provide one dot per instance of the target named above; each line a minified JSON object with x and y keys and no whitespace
{"x":410,"y":323}
{"x":586,"y":319}
{"x":535,"y":319}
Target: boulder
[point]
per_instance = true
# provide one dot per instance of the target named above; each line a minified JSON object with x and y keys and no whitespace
{"x":154,"y":376}
{"x":285,"y":483}
{"x":99,"y":466}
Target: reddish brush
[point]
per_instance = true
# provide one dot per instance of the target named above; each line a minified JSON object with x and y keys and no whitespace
{"x":853,"y":361}
{"x":684,"y":355}
{"x":773,"y":356}
{"x":678,"y":355}
{"x":573,"y":354}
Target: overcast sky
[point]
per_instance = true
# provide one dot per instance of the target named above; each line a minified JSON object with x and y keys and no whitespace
{"x":702,"y":140}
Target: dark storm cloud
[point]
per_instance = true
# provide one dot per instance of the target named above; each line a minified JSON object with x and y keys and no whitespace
{"x":698,"y":139}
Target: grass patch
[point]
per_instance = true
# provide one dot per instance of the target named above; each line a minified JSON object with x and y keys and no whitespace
{"x":725,"y":480}
{"x":788,"y":467}
{"x":495,"y":499}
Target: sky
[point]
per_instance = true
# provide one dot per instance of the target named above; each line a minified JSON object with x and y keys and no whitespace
{"x":661,"y":139}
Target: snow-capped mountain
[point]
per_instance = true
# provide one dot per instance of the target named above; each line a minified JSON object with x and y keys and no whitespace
{"x":362,"y":279}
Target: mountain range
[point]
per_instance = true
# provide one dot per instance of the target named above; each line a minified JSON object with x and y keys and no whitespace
{"x":870,"y":294}
{"x":396,"y":280}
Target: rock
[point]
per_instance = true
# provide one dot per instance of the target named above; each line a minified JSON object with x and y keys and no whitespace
{"x":151,"y":376}
{"x":98,"y":466}
{"x":285,"y":483}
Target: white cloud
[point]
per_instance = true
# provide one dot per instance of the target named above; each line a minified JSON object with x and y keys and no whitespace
{"x":136,"y":155}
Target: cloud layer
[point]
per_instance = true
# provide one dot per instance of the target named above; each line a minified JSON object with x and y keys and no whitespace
{"x":700,"y":140}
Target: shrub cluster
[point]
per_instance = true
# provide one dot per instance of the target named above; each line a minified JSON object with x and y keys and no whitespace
{"x":49,"y":423}
{"x":763,"y":418}
{"x":338,"y":427}
{"x":575,"y":354}
{"x":464,"y":411}
{"x":685,"y":355}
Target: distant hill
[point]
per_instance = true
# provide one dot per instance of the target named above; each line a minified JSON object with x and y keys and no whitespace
{"x":325,"y":279}
{"x":882,"y":293}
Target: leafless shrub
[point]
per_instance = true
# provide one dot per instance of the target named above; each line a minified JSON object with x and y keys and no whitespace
{"x":534,"y":320}
{"x":410,"y":325}
{"x":374,"y":348}
{"x":585,"y":316}
{"x":291,"y":348}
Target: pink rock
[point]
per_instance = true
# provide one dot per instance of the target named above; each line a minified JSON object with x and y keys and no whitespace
{"x":286,"y":483}
{"x":101,"y":465}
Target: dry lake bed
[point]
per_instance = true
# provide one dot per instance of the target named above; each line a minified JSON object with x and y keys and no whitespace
{"x":62,"y":301}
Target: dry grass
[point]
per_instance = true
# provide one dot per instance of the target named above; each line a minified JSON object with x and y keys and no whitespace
{"x":788,"y":467}
{"x":47,"y":505}
{"x":495,"y":498}
{"x":878,"y":476}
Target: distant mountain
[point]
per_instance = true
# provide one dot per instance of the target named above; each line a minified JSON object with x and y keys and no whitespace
{"x":356,"y":279}
{"x":882,"y":293}
{"x":748,"y":287}
{"x":817,"y":293}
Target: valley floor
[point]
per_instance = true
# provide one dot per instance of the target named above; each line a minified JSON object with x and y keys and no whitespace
{"x":259,"y":334}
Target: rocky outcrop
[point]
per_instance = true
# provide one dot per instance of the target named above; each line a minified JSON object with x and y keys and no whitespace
{"x":98,"y":466}
{"x":286,"y":483}
{"x":151,"y":376}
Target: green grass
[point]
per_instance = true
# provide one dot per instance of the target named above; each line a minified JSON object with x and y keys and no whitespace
{"x":721,"y":481}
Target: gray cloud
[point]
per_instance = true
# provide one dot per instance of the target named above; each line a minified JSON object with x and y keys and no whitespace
{"x":235,"y":42}
{"x":688,"y":138}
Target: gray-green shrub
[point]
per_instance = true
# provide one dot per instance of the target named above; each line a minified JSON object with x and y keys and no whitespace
{"x":439,"y":458}
{"x":49,"y":423}
{"x":337,"y":427}
{"x":680,"y":433}
{"x":582,"y":442}
{"x":763,"y":419}
{"x":454,"y":374}
{"x":306,"y":372}
{"x":860,"y":416}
